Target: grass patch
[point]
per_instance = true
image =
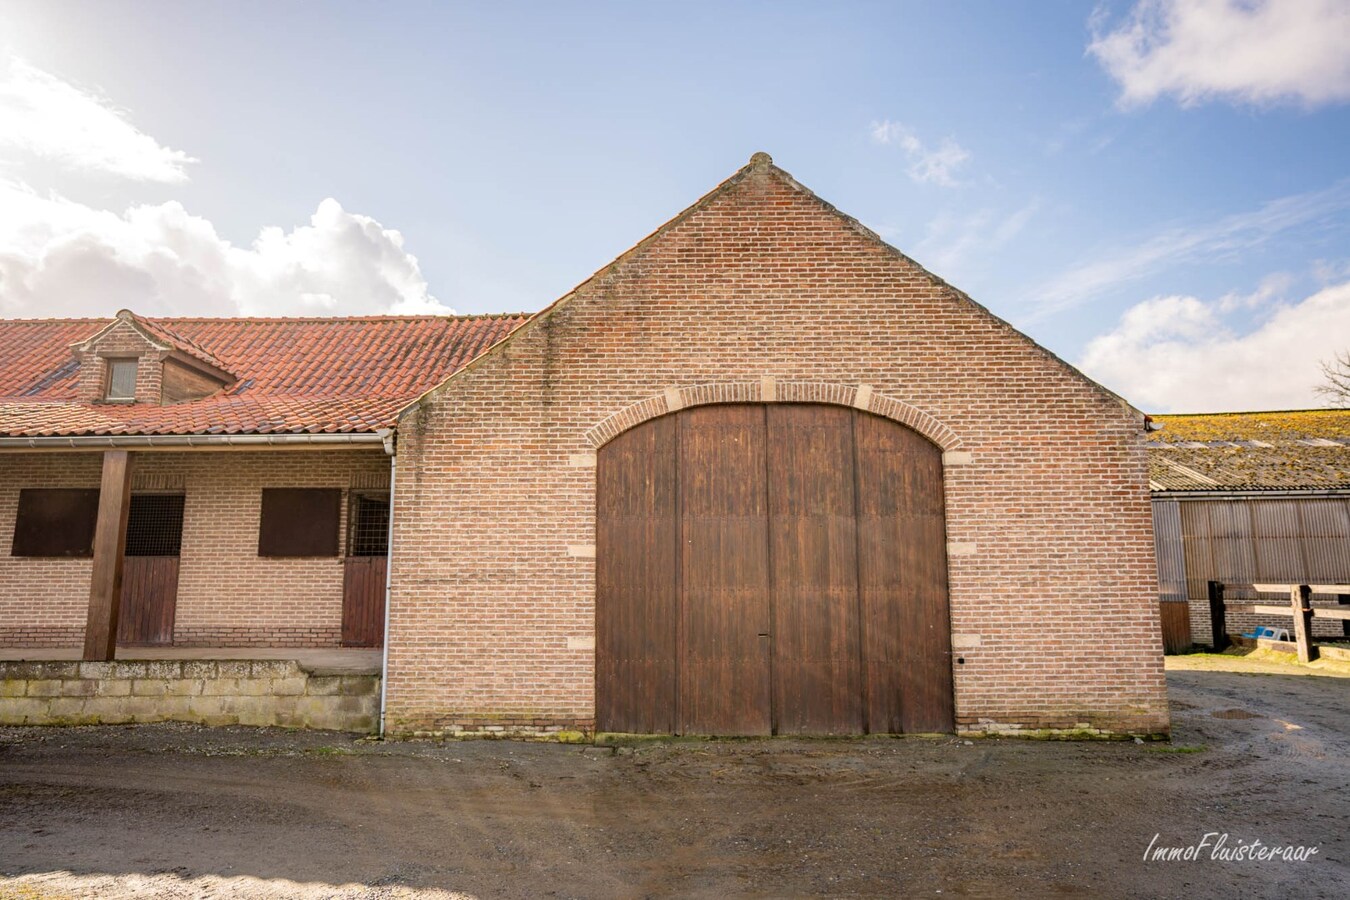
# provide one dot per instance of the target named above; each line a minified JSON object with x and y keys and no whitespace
{"x":1180,"y":748}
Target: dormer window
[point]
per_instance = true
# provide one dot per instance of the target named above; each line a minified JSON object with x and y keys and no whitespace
{"x":121,"y":380}
{"x":135,"y":360}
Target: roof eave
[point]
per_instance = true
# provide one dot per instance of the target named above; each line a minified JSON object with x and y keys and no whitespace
{"x":381,"y":438}
{"x":1220,"y":493}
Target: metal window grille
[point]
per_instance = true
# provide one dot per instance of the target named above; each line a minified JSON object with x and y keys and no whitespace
{"x":369,"y":525}
{"x":155,"y":525}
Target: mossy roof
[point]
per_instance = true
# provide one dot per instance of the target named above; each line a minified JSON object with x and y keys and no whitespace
{"x":1281,"y":450}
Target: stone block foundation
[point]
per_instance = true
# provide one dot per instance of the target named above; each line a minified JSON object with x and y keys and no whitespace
{"x":207,"y":692}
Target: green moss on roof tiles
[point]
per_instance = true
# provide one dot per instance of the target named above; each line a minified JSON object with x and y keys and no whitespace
{"x":1260,"y":426}
{"x":1282,"y":450}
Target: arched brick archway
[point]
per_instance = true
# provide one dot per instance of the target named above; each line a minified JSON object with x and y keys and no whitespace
{"x":770,"y":390}
{"x":771,"y":568}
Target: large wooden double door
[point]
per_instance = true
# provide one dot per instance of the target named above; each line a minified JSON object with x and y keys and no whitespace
{"x":771,"y":569}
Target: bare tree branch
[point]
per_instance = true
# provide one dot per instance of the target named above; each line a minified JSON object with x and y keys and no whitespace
{"x":1336,"y":375}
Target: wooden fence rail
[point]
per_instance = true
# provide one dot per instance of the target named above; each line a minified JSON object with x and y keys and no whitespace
{"x":1300,"y":609}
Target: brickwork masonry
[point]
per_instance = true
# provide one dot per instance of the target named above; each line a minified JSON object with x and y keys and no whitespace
{"x":763,"y":293}
{"x":228,"y":595}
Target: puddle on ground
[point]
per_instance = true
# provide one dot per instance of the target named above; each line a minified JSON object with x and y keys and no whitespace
{"x":1234,"y":714}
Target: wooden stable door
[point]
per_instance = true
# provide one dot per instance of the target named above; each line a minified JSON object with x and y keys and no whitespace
{"x":149,"y":597}
{"x":363,"y":579}
{"x":364,"y":571}
{"x":771,"y":569}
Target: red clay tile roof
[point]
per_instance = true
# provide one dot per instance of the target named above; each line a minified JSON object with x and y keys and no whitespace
{"x":1290,"y":450}
{"x":294,"y":375}
{"x":186,"y":345}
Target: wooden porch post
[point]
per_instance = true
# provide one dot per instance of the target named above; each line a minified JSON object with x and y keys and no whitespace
{"x":1218,"y":625}
{"x":1300,"y":598}
{"x":105,"y":583}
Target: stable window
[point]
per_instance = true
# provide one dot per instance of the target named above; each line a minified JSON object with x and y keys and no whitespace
{"x":155,"y":525}
{"x":121,"y":379}
{"x":55,"y":522}
{"x":368,"y":528}
{"x":299,"y":522}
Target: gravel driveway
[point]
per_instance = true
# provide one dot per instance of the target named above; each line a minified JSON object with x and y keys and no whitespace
{"x":182,"y":811}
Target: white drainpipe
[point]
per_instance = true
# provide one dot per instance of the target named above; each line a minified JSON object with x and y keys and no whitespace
{"x":392,"y":450}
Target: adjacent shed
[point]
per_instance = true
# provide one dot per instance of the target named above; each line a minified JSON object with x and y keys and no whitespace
{"x":1259,"y":497}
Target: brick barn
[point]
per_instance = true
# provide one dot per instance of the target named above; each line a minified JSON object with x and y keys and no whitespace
{"x":762,"y":474}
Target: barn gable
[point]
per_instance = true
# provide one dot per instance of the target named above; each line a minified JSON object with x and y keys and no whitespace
{"x":762,"y":294}
{"x":752,"y":180}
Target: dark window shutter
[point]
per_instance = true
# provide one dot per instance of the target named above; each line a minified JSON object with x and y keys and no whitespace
{"x":55,"y":522}
{"x":299,"y":522}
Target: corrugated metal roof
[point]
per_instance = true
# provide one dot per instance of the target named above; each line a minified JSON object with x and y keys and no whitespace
{"x":1285,"y":450}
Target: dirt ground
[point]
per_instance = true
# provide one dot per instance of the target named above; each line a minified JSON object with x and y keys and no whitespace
{"x":182,"y":811}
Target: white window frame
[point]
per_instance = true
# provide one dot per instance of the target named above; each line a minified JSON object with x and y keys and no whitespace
{"x":112,"y":363}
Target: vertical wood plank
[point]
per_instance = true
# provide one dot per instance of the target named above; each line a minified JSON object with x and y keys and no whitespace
{"x":814,"y":576}
{"x":363,"y":580}
{"x":149,"y":600}
{"x":1218,"y":624}
{"x":725,"y":621}
{"x":1300,"y":598}
{"x":637,"y":581}
{"x":105,"y":582}
{"x":1176,"y":626}
{"x":902,"y":578}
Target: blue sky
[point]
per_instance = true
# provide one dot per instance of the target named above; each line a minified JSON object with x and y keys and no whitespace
{"x":1156,"y":190}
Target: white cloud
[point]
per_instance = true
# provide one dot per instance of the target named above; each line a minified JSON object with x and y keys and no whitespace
{"x":1272,"y":287}
{"x":1181,"y":354}
{"x":1252,"y":51}
{"x":51,"y":119}
{"x":952,"y":240}
{"x":935,"y":165}
{"x":1185,"y":244}
{"x":60,"y":257}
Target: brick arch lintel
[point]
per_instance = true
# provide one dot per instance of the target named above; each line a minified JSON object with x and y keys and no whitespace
{"x":769,"y":390}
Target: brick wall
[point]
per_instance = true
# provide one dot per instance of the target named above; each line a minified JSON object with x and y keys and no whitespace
{"x":761,"y":290}
{"x":121,"y":340}
{"x":227,"y":594}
